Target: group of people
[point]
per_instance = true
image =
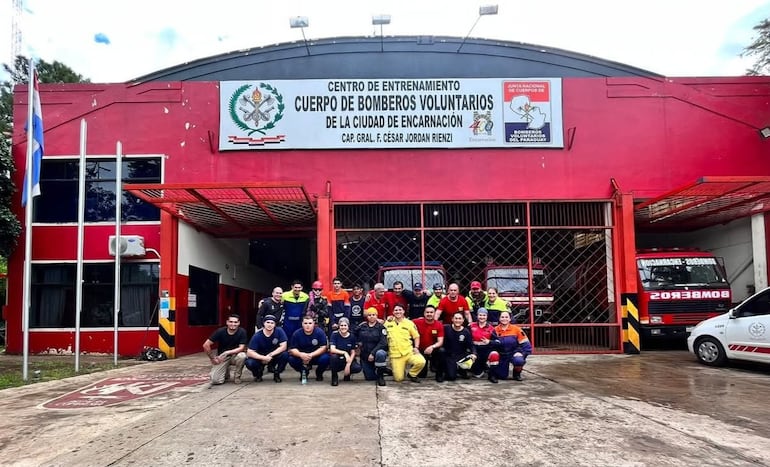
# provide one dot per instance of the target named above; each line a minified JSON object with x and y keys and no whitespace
{"x":451,"y":335}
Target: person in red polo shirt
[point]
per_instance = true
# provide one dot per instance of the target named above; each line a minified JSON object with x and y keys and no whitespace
{"x":397,"y":297}
{"x":451,"y":304}
{"x":431,"y":341}
{"x":376,"y":299}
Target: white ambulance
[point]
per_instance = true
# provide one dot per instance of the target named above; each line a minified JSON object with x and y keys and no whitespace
{"x":742,"y":333}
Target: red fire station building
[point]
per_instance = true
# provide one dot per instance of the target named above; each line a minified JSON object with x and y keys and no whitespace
{"x":343,"y":156}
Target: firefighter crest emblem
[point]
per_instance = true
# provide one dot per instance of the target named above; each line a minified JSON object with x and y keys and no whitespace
{"x":256,"y":109}
{"x":756,"y":330}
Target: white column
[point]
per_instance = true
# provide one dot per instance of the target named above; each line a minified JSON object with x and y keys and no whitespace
{"x":759,"y":250}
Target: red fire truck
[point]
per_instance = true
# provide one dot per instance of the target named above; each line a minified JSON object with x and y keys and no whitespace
{"x":512,"y":284}
{"x":678,"y":288}
{"x":410,"y":273}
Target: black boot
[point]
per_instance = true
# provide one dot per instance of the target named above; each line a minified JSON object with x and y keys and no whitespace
{"x":439,"y":377}
{"x":491,"y":377}
{"x":258,"y":376}
{"x":517,"y":375}
{"x":277,"y":377}
{"x":381,"y":377}
{"x":335,"y":379}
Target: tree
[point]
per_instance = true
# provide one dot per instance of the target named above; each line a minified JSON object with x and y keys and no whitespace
{"x":760,"y":49}
{"x":55,"y":72}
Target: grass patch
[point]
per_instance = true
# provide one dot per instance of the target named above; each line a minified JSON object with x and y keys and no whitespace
{"x":51,"y":367}
{"x":48,"y":371}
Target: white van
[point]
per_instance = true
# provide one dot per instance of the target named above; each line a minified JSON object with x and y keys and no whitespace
{"x":742,"y":333}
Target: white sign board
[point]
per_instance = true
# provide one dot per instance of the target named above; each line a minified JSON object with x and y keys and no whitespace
{"x":390,"y":113}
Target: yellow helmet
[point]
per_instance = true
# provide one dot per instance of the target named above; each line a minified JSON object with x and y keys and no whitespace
{"x":465,"y":363}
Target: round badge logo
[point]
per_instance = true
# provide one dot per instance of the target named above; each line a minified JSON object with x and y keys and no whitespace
{"x":384,"y":332}
{"x":314,"y":342}
{"x":275,"y":340}
{"x":756,"y":330}
{"x":461,"y":338}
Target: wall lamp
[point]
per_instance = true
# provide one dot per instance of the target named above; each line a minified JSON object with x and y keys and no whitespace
{"x":301,"y":22}
{"x":381,"y":20}
{"x":484,"y":10}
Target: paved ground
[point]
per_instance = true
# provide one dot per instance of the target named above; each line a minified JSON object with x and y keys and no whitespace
{"x":661,"y":408}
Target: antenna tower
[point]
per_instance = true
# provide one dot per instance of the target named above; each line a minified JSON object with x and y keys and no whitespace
{"x":15,"y":32}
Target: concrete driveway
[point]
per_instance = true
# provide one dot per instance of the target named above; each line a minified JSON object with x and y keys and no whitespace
{"x":660,"y":408}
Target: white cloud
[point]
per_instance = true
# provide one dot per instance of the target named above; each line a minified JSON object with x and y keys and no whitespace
{"x":675,"y":38}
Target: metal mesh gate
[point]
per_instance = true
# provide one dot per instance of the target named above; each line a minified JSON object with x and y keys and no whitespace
{"x":552,"y":260}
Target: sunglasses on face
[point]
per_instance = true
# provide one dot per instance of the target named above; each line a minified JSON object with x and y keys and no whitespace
{"x":317,"y":290}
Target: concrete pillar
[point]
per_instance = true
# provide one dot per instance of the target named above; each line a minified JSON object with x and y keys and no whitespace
{"x":759,"y":250}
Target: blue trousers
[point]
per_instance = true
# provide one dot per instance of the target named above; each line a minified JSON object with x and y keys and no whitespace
{"x":279,"y":362}
{"x":321,"y":363}
{"x":481,"y":362}
{"x":338,"y":364}
{"x":291,"y":325}
{"x":370,"y":368}
{"x":503,"y":369}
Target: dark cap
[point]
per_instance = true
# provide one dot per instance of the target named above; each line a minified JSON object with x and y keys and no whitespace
{"x":417,"y":286}
{"x":270,"y":318}
{"x":438,"y":287}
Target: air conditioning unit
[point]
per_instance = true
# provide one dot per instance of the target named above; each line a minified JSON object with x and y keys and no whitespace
{"x":130,"y":245}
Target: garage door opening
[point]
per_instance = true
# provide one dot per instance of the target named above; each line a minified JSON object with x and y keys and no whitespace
{"x":560,"y":251}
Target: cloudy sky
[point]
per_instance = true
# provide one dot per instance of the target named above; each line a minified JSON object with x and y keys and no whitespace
{"x":118,"y":40}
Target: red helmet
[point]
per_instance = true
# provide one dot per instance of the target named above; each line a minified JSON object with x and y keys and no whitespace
{"x":317,"y":285}
{"x":494,"y":358}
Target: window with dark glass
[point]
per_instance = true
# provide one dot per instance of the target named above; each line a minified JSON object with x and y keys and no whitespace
{"x":204,"y":286}
{"x":58,"y":201}
{"x":53,"y":295}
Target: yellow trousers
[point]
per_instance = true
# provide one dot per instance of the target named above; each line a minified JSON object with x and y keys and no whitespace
{"x":398,"y":365}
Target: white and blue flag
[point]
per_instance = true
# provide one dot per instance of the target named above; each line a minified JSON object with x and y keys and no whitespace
{"x":36,"y":142}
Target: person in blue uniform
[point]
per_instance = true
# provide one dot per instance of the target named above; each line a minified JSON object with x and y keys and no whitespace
{"x":416,"y":300}
{"x":295,"y":304}
{"x":357,"y":306}
{"x":373,"y":347}
{"x":513,"y":350}
{"x":272,"y":305}
{"x":268,"y":348}
{"x":458,"y":344}
{"x":342,"y":350}
{"x":307,"y":348}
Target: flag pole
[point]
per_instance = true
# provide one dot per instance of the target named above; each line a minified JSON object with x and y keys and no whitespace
{"x":28,"y":224}
{"x":118,"y":215}
{"x":81,"y":224}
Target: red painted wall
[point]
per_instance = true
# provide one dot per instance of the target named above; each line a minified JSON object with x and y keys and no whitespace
{"x":130,"y":343}
{"x":189,"y":339}
{"x":649,"y":135}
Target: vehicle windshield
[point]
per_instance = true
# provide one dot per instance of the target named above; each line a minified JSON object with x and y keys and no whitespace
{"x":516,"y":280}
{"x":411,"y":276}
{"x":668,"y":273}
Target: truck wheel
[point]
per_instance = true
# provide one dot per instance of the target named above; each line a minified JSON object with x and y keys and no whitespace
{"x":710,"y":352}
